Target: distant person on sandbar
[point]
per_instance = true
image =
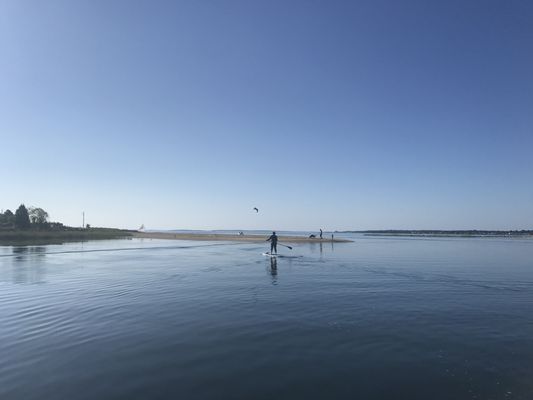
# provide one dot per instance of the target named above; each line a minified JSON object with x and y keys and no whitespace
{"x":273,"y":239}
{"x":320,"y":233}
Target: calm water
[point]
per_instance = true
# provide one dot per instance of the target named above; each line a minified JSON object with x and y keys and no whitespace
{"x":381,"y":318}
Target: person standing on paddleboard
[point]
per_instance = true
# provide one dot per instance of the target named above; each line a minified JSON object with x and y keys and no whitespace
{"x":273,"y":239}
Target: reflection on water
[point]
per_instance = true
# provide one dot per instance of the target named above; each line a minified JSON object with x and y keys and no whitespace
{"x":28,"y":264}
{"x":274,"y":270}
{"x":22,"y":251}
{"x":321,"y":248}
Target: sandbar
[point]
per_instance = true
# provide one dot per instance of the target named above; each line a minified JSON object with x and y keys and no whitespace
{"x":215,"y":237}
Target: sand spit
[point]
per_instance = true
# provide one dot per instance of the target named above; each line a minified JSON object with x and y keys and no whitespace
{"x":233,"y":238}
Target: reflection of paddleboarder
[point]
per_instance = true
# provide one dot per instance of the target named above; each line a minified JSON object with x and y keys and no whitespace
{"x":273,"y":239}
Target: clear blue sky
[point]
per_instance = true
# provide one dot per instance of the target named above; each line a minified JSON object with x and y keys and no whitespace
{"x":324,"y":114}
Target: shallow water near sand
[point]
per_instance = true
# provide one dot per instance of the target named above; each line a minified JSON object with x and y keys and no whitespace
{"x":380,"y":318}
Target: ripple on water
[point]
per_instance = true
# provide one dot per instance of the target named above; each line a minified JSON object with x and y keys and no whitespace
{"x":373,"y":319}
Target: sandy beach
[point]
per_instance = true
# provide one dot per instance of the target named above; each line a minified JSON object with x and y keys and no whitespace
{"x":232,"y":238}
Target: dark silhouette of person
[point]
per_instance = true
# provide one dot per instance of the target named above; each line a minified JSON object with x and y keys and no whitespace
{"x":273,"y":239}
{"x":320,"y":233}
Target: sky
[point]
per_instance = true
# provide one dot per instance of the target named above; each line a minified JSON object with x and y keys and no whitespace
{"x":340,"y":115}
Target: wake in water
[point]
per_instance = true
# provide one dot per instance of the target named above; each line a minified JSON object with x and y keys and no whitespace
{"x":122,"y":249}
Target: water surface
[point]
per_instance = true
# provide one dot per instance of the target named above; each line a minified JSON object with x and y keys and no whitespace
{"x":380,"y":318}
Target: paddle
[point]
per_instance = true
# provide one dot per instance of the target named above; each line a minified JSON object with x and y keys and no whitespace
{"x":284,"y":245}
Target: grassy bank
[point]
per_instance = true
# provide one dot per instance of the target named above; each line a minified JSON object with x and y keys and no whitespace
{"x":21,"y":237}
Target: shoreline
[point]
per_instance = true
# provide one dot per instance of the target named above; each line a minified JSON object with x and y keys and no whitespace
{"x":443,"y":235}
{"x":38,"y":237}
{"x":215,"y":237}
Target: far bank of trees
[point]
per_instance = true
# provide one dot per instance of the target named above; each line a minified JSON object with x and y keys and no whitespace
{"x":25,"y":219}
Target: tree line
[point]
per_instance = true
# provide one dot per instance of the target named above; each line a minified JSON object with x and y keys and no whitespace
{"x":24,"y":218}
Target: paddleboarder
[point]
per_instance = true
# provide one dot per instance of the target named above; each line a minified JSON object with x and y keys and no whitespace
{"x":273,"y":239}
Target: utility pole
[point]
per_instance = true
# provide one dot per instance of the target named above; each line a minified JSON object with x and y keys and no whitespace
{"x":83,"y":220}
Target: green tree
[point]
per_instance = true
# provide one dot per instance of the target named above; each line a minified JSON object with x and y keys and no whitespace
{"x":38,"y":216}
{"x":9,"y":217}
{"x":22,"y":219}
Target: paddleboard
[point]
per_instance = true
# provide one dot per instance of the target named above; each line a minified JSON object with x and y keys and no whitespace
{"x":279,"y":255}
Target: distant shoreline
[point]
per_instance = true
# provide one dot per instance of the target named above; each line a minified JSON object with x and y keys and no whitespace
{"x":233,"y":237}
{"x":444,"y":233}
